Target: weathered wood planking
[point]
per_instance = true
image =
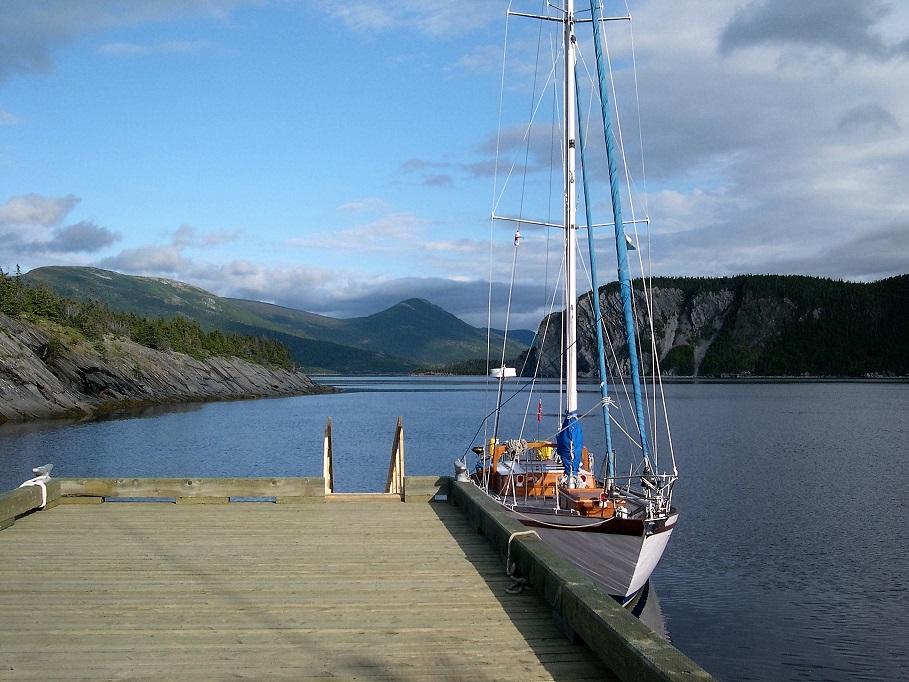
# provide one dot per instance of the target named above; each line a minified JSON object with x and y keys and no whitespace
{"x":351,"y":591}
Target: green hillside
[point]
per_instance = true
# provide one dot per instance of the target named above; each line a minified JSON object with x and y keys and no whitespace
{"x":148,"y":296}
{"x":309,"y":325}
{"x":74,"y":321}
{"x":405,"y":325}
{"x":409,"y":336}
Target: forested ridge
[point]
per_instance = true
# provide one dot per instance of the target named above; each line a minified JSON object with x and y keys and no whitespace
{"x":824,"y":328}
{"x":93,"y":320}
{"x":755,"y":325}
{"x":746,"y":325}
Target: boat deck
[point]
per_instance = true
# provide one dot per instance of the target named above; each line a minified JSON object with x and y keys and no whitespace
{"x":354,"y":590}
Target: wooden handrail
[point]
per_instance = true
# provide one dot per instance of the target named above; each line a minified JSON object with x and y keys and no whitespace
{"x":395,"y":483}
{"x":327,"y":455}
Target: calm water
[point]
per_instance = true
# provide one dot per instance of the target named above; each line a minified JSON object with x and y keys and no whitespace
{"x":790,"y":560}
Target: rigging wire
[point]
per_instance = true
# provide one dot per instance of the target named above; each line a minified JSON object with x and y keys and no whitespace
{"x":536,"y":103}
{"x":620,"y":144}
{"x":618,"y":381}
{"x":541,"y":337}
{"x":653,"y":406}
{"x":555,"y":51}
{"x":645,"y":195}
{"x":646,"y":276}
{"x":495,"y":190}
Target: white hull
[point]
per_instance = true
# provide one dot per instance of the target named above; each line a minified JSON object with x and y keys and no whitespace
{"x":618,"y":563}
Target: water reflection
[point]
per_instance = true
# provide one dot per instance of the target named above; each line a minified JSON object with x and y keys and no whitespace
{"x":151,"y":411}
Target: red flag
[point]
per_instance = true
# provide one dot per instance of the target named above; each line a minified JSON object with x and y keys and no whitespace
{"x":540,"y":411}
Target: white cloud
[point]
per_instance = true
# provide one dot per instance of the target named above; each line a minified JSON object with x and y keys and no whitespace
{"x":188,"y":236}
{"x":34,"y":210}
{"x":770,"y":149}
{"x":171,"y":259}
{"x":83,"y":237}
{"x":31,"y":226}
{"x":149,"y":260}
{"x":842,"y":25}
{"x":346,"y":293}
{"x":390,"y":232}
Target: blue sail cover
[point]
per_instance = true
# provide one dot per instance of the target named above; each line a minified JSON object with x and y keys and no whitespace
{"x":569,"y":444}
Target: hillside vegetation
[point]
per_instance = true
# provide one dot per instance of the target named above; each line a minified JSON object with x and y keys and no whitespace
{"x":749,"y":325}
{"x":754,"y":325}
{"x":411,"y":336}
{"x":94,"y":320}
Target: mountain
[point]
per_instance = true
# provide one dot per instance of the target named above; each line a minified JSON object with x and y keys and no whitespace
{"x":761,"y":325}
{"x":525,"y":336}
{"x":409,"y":336}
{"x":426,"y":331}
{"x":753,"y":325}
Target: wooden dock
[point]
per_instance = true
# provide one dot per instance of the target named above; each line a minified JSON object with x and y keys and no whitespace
{"x":369,"y":589}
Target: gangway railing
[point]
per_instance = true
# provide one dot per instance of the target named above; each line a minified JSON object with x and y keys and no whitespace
{"x":394,"y":484}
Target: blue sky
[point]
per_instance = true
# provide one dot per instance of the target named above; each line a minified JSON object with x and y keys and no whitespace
{"x":334,"y":157}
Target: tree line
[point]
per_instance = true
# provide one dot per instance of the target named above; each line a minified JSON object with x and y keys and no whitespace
{"x":95,"y":320}
{"x":790,"y":325}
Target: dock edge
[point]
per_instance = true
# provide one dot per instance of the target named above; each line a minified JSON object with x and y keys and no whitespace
{"x":628,"y":647}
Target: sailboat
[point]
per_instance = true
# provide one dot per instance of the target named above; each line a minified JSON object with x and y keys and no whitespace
{"x":612,"y":525}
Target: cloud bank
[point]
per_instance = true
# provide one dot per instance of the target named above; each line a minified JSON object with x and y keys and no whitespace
{"x":774,"y":133}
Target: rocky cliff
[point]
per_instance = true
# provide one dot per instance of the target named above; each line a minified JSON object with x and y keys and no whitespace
{"x":49,"y":371}
{"x":765,"y":325}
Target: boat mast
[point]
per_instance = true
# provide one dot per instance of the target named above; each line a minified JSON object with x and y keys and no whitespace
{"x":620,"y":239}
{"x":570,"y":332}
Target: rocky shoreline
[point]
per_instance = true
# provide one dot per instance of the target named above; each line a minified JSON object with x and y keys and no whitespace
{"x":49,"y":372}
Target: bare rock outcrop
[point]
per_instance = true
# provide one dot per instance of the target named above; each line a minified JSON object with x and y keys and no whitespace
{"x":690,"y":320}
{"x":49,"y":372}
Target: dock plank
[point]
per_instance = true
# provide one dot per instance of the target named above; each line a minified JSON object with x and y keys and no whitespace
{"x":362,"y":590}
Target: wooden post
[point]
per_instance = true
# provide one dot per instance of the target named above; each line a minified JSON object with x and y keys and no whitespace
{"x":327,"y":468}
{"x":395,"y":482}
